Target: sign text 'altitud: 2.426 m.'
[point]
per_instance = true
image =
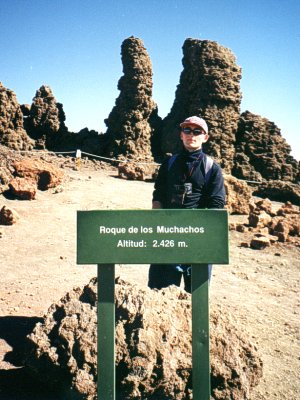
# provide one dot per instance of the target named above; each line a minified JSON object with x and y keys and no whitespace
{"x":149,"y":236}
{"x":147,"y":230}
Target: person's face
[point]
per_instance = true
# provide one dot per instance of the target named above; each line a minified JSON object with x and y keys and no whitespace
{"x":191,"y":141}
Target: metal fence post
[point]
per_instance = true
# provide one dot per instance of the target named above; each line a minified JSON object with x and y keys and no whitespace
{"x":200,"y":332}
{"x":106,"y":332}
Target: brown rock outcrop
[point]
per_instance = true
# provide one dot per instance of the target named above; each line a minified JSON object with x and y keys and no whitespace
{"x":7,"y":158}
{"x":153,"y":346}
{"x":23,"y":188}
{"x":46,"y":119}
{"x":238,"y":195}
{"x":5,"y":177}
{"x":25,"y":108}
{"x":131,"y":172}
{"x":264,"y":205}
{"x":270,"y":225}
{"x":45,"y":174}
{"x":286,"y":226}
{"x":209,"y":87}
{"x":259,"y":219}
{"x":12,"y":132}
{"x":260,"y":242}
{"x":45,"y":122}
{"x":86,"y":140}
{"x":261,"y":152}
{"x":279,"y":191}
{"x":8,"y":216}
{"x":132,"y":121}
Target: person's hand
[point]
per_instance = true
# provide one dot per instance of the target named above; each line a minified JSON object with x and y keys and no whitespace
{"x":156,"y":205}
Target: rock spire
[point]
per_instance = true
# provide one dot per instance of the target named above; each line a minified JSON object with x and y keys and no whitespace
{"x":209,"y":87}
{"x":46,"y":118}
{"x":132,"y":121}
{"x":261,"y":152}
{"x":12,"y":132}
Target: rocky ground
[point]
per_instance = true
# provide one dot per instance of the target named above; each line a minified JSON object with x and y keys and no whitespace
{"x":38,"y":266}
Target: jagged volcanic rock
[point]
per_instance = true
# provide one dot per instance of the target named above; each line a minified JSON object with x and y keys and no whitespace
{"x":8,"y":216}
{"x":279,"y":191}
{"x":132,"y":121}
{"x":12,"y":132}
{"x":209,"y":87}
{"x":131,"y":172}
{"x":89,"y":141}
{"x":7,"y":158}
{"x":43,"y":173}
{"x":261,"y":152}
{"x":25,"y":108}
{"x":23,"y":188}
{"x":46,"y":119}
{"x":270,"y":224}
{"x":153,"y":346}
{"x":238,"y":195}
{"x":45,"y":122}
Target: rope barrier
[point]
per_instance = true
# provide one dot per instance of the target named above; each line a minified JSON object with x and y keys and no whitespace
{"x":120,"y":161}
{"x":79,"y":152}
{"x":43,"y":151}
{"x":255,"y":182}
{"x":64,"y":152}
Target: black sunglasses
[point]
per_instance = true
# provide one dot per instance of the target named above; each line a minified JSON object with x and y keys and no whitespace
{"x":195,"y":131}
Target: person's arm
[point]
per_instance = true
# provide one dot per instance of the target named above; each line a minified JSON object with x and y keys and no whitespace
{"x":216,"y":190}
{"x":159,"y":198}
{"x":156,"y":205}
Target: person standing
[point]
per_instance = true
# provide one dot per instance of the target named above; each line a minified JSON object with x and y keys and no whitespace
{"x":189,"y":179}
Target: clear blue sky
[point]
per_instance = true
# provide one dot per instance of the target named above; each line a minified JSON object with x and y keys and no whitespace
{"x":74,"y":47}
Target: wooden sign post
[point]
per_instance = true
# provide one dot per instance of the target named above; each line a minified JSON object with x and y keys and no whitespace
{"x":197,"y":237}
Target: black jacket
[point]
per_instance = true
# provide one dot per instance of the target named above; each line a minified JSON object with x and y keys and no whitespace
{"x":182,"y":184}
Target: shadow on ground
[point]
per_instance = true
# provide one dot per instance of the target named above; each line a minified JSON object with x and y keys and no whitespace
{"x":16,"y":383}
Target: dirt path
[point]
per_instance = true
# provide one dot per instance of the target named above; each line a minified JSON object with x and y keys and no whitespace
{"x":38,"y":266}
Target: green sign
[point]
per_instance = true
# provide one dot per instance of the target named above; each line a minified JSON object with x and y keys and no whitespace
{"x":152,"y":236}
{"x":198,"y":237}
